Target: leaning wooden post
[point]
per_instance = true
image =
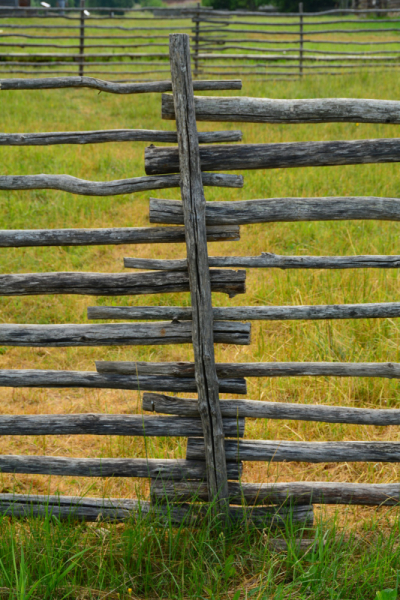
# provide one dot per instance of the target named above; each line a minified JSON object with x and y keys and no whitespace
{"x":194,"y":211}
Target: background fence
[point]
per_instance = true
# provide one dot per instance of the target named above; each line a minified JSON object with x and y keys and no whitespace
{"x":134,"y":45}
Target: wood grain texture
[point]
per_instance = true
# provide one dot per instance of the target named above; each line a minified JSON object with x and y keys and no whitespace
{"x":115,"y":284}
{"x":87,"y":379}
{"x":161,"y":160}
{"x":266,"y":110}
{"x":111,"y":135}
{"x":100,"y":424}
{"x":313,"y":452}
{"x":318,"y":492}
{"x":131,"y":334}
{"x":47,"y":83}
{"x":258,"y":409}
{"x":252,"y":313}
{"x":82,"y":187}
{"x":194,"y":205}
{"x":20,"y":238}
{"x":272,"y":210}
{"x":291,"y":369}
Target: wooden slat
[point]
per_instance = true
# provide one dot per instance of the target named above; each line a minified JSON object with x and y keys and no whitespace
{"x":110,"y":86}
{"x":160,"y":160}
{"x":100,"y":424}
{"x":387,"y":494}
{"x":194,"y":206}
{"x":258,"y":409}
{"x":111,"y":135}
{"x":115,"y":284}
{"x":330,"y":208}
{"x":265,"y":110}
{"x":20,"y":238}
{"x":82,"y":187}
{"x":314,"y":452}
{"x":39,"y":378}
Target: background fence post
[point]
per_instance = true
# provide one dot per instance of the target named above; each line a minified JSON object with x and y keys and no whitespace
{"x":301,"y":39}
{"x":196,"y":41}
{"x":194,"y":214}
{"x":82,"y":38}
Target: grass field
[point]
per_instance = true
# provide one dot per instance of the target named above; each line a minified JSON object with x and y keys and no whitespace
{"x":357,"y":551}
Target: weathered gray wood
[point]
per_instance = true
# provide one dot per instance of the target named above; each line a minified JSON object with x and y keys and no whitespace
{"x":314,"y":452}
{"x":98,"y":509}
{"x":266,"y":110}
{"x":107,"y":467}
{"x":252,"y":313}
{"x":269,"y":260}
{"x":194,"y":205}
{"x":110,"y":86}
{"x":283,"y":209}
{"x":112,"y":135}
{"x":257,"y":409}
{"x":115,"y":284}
{"x":100,"y":424}
{"x":160,"y":160}
{"x":88,"y":379}
{"x":66,"y":183}
{"x":121,"y":334}
{"x":320,"y":492}
{"x":18,"y":238}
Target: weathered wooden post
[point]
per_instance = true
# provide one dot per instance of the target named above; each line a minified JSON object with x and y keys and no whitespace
{"x":194,"y":206}
{"x":301,"y":40}
{"x":81,"y":38}
{"x":196,"y":41}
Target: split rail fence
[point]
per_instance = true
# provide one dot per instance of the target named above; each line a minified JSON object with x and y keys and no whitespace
{"x":259,"y":44}
{"x":216,"y":445}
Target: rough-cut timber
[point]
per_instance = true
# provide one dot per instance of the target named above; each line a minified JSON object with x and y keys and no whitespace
{"x":67,"y":183}
{"x":116,"y":509}
{"x":314,"y":452}
{"x":108,"y":467}
{"x":111,"y":135}
{"x":271,"y":210}
{"x":131,"y":334}
{"x":319,"y":492}
{"x":265,"y":110}
{"x":252,"y":313}
{"x":194,"y":206}
{"x":48,"y":83}
{"x":257,"y":409}
{"x":160,"y":160}
{"x":268,"y":260}
{"x":115,"y":284}
{"x":100,"y":424}
{"x":88,"y":379}
{"x":19,"y":238}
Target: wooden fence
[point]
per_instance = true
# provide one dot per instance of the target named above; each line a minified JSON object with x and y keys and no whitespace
{"x":215,"y":429}
{"x":134,"y":44}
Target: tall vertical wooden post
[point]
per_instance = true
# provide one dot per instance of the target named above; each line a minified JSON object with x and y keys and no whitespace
{"x":196,"y":41}
{"x":194,"y":212}
{"x":301,"y":40}
{"x":82,"y":38}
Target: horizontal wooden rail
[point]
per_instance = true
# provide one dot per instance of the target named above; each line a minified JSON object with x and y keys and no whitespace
{"x":252,"y":313}
{"x":111,"y":86}
{"x":116,"y":284}
{"x":256,"y":409}
{"x":83,"y":187}
{"x":108,"y":467}
{"x":112,"y":135}
{"x":268,"y":260}
{"x":118,"y":510}
{"x":314,"y":452}
{"x":264,"y":110}
{"x":20,"y":238}
{"x":87,"y":379}
{"x":100,"y":424}
{"x":130,"y":334}
{"x":161,"y":160}
{"x":320,"y":492}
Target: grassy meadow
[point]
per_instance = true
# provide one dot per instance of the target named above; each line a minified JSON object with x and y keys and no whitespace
{"x":356,"y":552}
